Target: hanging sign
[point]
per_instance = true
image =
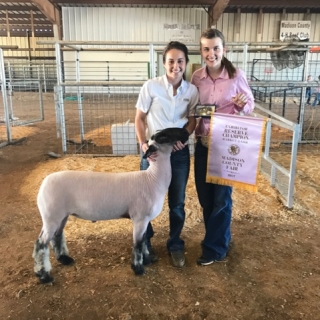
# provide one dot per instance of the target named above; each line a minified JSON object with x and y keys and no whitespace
{"x":295,"y":30}
{"x":183,"y":32}
{"x":315,"y":49}
{"x":235,"y":148}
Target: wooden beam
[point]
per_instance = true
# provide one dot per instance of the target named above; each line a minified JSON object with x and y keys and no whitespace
{"x":25,"y":23}
{"x":16,"y":1}
{"x":260,"y":26}
{"x":258,"y":3}
{"x":237,"y":25}
{"x":216,"y":11}
{"x":32,"y":31}
{"x":53,"y":15}
{"x":307,"y":15}
{"x":18,"y":8}
{"x":138,"y":2}
{"x":283,"y":16}
{"x":49,"y":10}
{"x":276,"y":3}
{"x":16,"y":48}
{"x":13,"y":15}
{"x":8,"y":47}
{"x":7,"y":24}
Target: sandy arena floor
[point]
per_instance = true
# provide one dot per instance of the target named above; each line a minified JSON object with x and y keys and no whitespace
{"x":272,"y":270}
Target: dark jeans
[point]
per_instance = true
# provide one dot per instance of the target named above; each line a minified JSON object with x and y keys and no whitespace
{"x":180,"y":166}
{"x":316,"y":99}
{"x":308,"y":94}
{"x":216,"y":203}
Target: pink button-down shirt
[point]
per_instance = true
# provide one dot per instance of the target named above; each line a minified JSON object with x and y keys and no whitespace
{"x":219,"y":92}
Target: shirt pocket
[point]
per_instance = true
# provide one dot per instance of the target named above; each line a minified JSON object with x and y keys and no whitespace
{"x":182,"y":107}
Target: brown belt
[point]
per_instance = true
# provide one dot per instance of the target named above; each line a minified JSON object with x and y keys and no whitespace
{"x":204,"y":140}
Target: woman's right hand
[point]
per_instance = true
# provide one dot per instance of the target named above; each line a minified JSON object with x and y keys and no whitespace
{"x":153,"y":156}
{"x":144,"y":147}
{"x":179,"y":146}
{"x":240,"y":100}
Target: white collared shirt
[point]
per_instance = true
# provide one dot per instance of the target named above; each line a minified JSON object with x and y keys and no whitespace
{"x":163,"y":109}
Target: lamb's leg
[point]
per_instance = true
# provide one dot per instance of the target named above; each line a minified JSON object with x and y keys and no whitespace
{"x":137,"y":259}
{"x":139,"y":246}
{"x":59,"y":245}
{"x":60,"y":249}
{"x":145,"y":251}
{"x":42,"y":265}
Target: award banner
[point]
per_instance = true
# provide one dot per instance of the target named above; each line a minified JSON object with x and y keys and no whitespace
{"x":235,"y":148}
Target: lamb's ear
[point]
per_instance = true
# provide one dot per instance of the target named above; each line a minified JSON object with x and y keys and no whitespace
{"x":152,"y":148}
{"x":184,"y":135}
{"x":171,"y":135}
{"x":168,"y":135}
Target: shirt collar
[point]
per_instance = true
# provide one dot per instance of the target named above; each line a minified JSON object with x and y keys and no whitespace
{"x":183,"y":84}
{"x":223,"y":75}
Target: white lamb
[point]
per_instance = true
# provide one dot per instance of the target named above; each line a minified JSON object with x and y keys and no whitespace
{"x":138,"y":195}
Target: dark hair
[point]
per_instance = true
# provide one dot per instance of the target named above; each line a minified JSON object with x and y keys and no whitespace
{"x":214,"y":33}
{"x":175,"y":45}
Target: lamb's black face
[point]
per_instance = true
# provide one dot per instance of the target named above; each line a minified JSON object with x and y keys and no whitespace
{"x":152,"y":148}
{"x":171,"y":135}
{"x":167,"y":136}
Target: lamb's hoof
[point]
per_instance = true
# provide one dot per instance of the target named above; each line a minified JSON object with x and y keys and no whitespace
{"x":44,"y":277}
{"x":138,"y":269}
{"x":65,"y":260}
{"x":146,"y":260}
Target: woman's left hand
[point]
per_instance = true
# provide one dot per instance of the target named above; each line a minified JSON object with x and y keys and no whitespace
{"x":179,"y":145}
{"x":240,"y":100}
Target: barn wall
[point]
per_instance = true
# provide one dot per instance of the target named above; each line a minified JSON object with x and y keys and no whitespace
{"x":155,"y":25}
{"x":148,"y":24}
{"x":133,"y":24}
{"x":24,"y":44}
{"x":249,"y":31}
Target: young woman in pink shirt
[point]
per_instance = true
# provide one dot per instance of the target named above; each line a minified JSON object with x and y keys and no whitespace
{"x":221,"y":84}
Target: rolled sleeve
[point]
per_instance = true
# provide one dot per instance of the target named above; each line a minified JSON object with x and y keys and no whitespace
{"x":145,"y":99}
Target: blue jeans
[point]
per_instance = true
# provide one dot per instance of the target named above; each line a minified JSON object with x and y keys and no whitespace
{"x":316,"y":99}
{"x":308,"y":94}
{"x":216,"y":203}
{"x":180,"y":166}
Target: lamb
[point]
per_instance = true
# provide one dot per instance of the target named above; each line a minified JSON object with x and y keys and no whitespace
{"x":138,"y":195}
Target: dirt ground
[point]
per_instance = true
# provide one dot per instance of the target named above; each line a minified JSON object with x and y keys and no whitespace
{"x":271,"y":272}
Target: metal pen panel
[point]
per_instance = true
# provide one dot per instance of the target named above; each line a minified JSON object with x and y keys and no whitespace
{"x":4,"y":98}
